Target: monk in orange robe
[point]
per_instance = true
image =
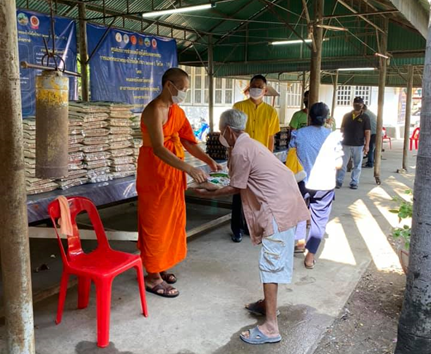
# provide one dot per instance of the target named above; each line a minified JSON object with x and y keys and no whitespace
{"x":161,"y":182}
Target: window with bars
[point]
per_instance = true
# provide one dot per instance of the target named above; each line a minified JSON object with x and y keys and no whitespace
{"x":198,"y":87}
{"x":344,"y":95}
{"x":271,"y":99}
{"x":228,"y":91}
{"x":188,"y":70}
{"x":199,"y":92}
{"x":294,"y":95}
{"x":364,"y":92}
{"x":218,"y":90}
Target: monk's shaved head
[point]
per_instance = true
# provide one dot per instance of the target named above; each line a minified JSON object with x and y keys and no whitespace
{"x":173,"y":74}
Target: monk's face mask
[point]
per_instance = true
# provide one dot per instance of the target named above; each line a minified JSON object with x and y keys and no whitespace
{"x":181,"y":95}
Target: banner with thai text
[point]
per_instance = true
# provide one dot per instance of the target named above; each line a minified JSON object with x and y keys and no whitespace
{"x":127,"y":67}
{"x":33,"y":28}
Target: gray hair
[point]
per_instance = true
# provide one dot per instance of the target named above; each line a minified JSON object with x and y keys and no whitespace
{"x":233,"y":118}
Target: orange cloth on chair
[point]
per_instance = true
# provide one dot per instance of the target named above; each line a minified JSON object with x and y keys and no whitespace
{"x":161,"y":200}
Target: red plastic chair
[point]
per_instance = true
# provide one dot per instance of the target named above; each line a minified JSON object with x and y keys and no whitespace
{"x":386,"y":137}
{"x":100,"y":266}
{"x":415,"y":138}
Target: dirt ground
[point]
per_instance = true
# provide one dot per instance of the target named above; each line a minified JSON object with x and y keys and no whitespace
{"x":368,"y":322}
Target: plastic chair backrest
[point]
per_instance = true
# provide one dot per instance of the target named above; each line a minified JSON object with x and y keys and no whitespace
{"x":76,"y":206}
{"x":415,"y":134}
{"x":384,"y":133}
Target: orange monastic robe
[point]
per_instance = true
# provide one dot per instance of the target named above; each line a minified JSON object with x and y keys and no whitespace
{"x":161,"y":200}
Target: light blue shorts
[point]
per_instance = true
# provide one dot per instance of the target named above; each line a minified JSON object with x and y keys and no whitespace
{"x":276,"y":256}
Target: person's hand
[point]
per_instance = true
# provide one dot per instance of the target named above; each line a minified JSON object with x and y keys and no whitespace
{"x":204,"y":193}
{"x":214,"y":166}
{"x":197,"y":174}
{"x":366,"y":149}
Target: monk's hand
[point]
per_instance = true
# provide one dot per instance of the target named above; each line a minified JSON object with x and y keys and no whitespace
{"x":197,"y":174}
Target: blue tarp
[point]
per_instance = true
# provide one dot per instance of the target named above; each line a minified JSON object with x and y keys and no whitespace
{"x":32,"y":28}
{"x":127,"y":66}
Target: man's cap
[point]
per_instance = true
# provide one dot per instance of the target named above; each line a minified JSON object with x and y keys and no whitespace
{"x":358,"y":100}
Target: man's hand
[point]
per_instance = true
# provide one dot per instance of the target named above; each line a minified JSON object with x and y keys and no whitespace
{"x":366,"y":149}
{"x":197,"y":174}
{"x":214,"y":166}
{"x":204,"y":193}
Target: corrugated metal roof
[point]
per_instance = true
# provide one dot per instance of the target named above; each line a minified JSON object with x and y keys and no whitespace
{"x":243,"y":29}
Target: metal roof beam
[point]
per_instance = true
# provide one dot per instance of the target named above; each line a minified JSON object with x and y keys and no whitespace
{"x":361,"y":14}
{"x":110,"y":12}
{"x":276,"y":14}
{"x":414,"y":12}
{"x":362,"y":17}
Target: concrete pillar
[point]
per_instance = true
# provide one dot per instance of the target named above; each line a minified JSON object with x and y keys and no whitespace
{"x":211,"y":82}
{"x":14,"y":242}
{"x":381,"y":100}
{"x":408,"y":114}
{"x":83,"y":53}
{"x":316,"y":55}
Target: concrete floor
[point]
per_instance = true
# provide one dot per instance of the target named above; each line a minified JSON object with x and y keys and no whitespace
{"x":219,"y":277}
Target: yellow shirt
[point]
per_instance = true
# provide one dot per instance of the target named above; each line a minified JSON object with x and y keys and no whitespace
{"x":262,"y":121}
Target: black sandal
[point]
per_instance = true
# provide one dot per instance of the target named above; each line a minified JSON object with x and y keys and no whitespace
{"x":168,"y":278}
{"x":165,"y":290}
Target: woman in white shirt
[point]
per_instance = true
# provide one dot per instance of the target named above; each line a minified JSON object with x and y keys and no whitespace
{"x":320,"y":152}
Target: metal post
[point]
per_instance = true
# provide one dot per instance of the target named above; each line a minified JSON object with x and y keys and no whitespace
{"x":334,"y":95}
{"x":83,"y":52}
{"x":316,"y":55}
{"x":14,"y":245}
{"x":381,"y":100}
{"x":408,"y":114}
{"x":211,"y":82}
{"x":304,"y":83}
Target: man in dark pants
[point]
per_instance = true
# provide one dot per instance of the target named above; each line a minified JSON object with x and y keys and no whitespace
{"x":262,"y":125}
{"x":356,"y":129}
{"x":373,"y":122}
{"x":238,"y":224}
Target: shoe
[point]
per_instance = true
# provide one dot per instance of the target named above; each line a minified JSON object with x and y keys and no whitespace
{"x":237,"y":237}
{"x":338,"y":186}
{"x":353,"y":186}
{"x":368,"y":166}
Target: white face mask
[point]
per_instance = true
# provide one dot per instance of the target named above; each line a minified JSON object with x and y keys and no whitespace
{"x":180,"y":97}
{"x":223,"y":140}
{"x":256,"y":93}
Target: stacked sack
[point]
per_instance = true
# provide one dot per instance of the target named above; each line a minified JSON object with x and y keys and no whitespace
{"x":77,"y":174}
{"x":95,"y":143}
{"x":137,"y":136}
{"x":121,"y":141}
{"x":33,"y":185}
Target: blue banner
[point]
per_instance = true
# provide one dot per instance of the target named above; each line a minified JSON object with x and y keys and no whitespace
{"x":32,"y":28}
{"x":128,"y":67}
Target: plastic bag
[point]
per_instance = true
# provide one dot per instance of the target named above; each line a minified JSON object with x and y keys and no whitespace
{"x":120,"y":145}
{"x":121,"y":152}
{"x":216,"y":180}
{"x":123,"y":174}
{"x":122,"y":160}
{"x":95,"y":148}
{"x":97,"y":156}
